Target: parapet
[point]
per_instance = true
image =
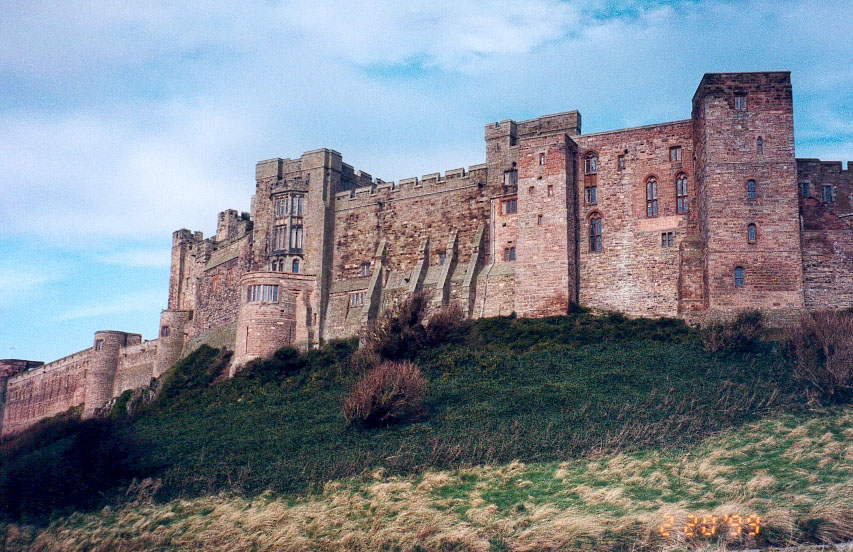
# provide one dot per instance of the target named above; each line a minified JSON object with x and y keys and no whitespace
{"x":12,"y":366}
{"x":568,"y":122}
{"x":183,"y":236}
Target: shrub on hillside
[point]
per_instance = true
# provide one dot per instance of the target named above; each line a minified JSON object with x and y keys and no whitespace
{"x":822,"y":346}
{"x":447,"y":325}
{"x":740,"y":335}
{"x":392,"y":392}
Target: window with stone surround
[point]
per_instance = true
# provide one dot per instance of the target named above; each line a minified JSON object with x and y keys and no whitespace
{"x":759,"y":145}
{"x":365,"y":269}
{"x":590,"y":194}
{"x":279,"y":237}
{"x":442,"y":256}
{"x":356,"y":299}
{"x":750,"y":189}
{"x":738,"y":276}
{"x":164,"y":331}
{"x":262,"y":293}
{"x":296,"y":238}
{"x":511,"y":178}
{"x":750,"y":232}
{"x":740,"y":102}
{"x":541,"y":158}
{"x":620,"y":162}
{"x":675,"y":154}
{"x":804,"y":189}
{"x":550,"y":190}
{"x":509,"y":254}
{"x":681,"y":193}
{"x":99,"y":344}
{"x":294,"y":267}
{"x":509,"y":206}
{"x":595,"y":241}
{"x":296,"y":205}
{"x":651,"y":197}
{"x":281,"y":206}
{"x":826,"y":193}
{"x":666,"y":239}
{"x":590,"y":163}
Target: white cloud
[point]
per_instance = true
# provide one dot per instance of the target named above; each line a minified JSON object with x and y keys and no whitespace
{"x":146,"y":302}
{"x":14,"y":282}
{"x":143,"y":258}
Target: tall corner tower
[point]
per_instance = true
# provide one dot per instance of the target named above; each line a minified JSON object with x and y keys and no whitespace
{"x":743,"y":131}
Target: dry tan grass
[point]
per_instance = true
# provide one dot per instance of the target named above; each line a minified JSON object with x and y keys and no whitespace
{"x":554,"y":506}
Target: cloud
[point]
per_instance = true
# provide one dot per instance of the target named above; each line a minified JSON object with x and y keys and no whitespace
{"x":143,"y":258}
{"x":145,"y":302}
{"x":20,"y":281}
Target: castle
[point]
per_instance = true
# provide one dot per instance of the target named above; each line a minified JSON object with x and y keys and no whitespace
{"x":698,"y":219}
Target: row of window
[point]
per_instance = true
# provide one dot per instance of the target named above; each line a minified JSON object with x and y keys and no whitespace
{"x":825,"y":192}
{"x":280,"y":238}
{"x":357,"y":299}
{"x":281,"y":266}
{"x":263,"y":292}
{"x":590,"y":161}
{"x":666,"y":238}
{"x":288,"y":205}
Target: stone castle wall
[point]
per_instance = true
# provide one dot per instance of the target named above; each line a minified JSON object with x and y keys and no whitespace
{"x":511,"y":235}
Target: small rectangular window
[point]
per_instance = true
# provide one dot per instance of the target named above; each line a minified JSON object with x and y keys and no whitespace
{"x":550,"y":190}
{"x":740,"y":102}
{"x":666,"y":239}
{"x":509,"y":254}
{"x":539,"y":220}
{"x":99,"y":344}
{"x":675,"y":154}
{"x":591,"y":194}
{"x":296,"y":238}
{"x":826,"y":193}
{"x":356,"y":299}
{"x":804,"y":189}
{"x":441,"y":258}
{"x":164,"y":331}
{"x":279,"y":237}
{"x":509,"y":206}
{"x":541,"y":158}
{"x":621,"y":162}
{"x":511,"y":178}
{"x":365,"y":269}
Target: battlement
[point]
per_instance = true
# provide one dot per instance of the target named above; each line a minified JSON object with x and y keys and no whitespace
{"x":832,"y":165}
{"x":567,"y":121}
{"x":49,"y":367}
{"x":408,"y":188}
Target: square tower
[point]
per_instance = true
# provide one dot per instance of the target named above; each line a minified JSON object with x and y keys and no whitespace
{"x":747,"y":191}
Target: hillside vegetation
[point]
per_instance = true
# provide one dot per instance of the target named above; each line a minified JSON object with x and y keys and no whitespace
{"x":503,"y":396}
{"x":792,"y":477}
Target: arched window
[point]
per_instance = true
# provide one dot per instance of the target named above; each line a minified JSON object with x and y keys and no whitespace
{"x":739,"y":276}
{"x":750,"y":233}
{"x":590,"y":163}
{"x":595,"y":232}
{"x":295,"y":266}
{"x":651,"y":197}
{"x":759,"y":145}
{"x":681,"y":193}
{"x":750,"y":189}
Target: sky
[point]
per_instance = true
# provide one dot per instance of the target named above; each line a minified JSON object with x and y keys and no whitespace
{"x":121,"y":122}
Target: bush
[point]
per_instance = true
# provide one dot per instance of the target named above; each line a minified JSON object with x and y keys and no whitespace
{"x":822,"y":346}
{"x":447,"y":325}
{"x":391,"y":392}
{"x":740,"y":335}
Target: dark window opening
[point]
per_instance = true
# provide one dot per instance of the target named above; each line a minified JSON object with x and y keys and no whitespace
{"x":595,"y":233}
{"x":740,"y":102}
{"x":511,"y":177}
{"x":541,"y":158}
{"x":441,"y":258}
{"x":759,"y":145}
{"x":652,"y":197}
{"x":509,"y":206}
{"x":666,"y":239}
{"x":739,"y":276}
{"x":295,"y":266}
{"x":804,"y":189}
{"x":365,"y":269}
{"x":590,"y":194}
{"x":750,"y":189}
{"x":164,"y":331}
{"x":750,"y":233}
{"x":590,"y":164}
{"x":681,"y":193}
{"x":826,"y":193}
{"x":509,"y":254}
{"x":675,"y":154}
{"x":620,"y":164}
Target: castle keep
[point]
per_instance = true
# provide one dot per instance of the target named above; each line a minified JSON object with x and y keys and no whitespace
{"x":698,"y":219}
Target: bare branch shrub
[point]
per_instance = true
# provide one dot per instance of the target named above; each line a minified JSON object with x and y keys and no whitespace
{"x":822,"y":346}
{"x":737,"y":336}
{"x":392,"y":392}
{"x":444,"y":324}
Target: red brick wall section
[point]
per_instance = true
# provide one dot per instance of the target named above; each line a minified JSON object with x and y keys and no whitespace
{"x":827,"y":257}
{"x":633,"y":272}
{"x":45,"y":391}
{"x":773,"y":263}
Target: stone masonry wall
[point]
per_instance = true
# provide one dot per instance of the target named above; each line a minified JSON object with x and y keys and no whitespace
{"x":136,"y":366}
{"x":633,"y":273}
{"x":45,"y":391}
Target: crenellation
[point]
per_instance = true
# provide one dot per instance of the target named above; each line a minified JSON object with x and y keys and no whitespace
{"x":698,"y":218}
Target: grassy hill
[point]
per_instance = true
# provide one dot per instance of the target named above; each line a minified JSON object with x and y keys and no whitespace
{"x":533,"y":429}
